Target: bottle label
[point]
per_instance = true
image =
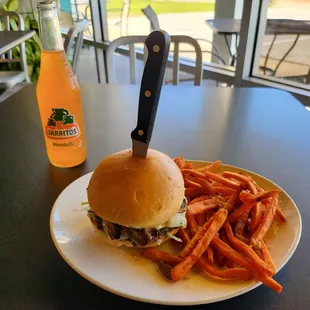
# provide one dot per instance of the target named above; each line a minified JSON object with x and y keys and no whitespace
{"x":61,"y":125}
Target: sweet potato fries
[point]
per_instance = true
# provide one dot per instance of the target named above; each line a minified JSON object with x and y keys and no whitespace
{"x":228,"y":217}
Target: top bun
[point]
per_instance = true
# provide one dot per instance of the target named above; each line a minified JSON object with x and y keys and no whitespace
{"x":135,"y":191}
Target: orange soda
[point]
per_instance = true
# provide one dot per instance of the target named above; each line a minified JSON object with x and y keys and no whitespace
{"x":58,"y":95}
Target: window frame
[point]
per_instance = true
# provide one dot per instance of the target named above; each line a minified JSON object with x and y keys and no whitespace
{"x":253,"y":26}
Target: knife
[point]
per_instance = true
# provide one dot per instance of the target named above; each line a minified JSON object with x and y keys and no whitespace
{"x":157,"y":43}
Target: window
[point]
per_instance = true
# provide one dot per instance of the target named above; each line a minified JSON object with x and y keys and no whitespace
{"x":72,"y":11}
{"x":282,"y":52}
{"x":244,"y":43}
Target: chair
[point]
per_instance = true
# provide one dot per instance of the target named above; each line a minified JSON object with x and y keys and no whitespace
{"x":132,"y":40}
{"x":154,"y":23}
{"x":9,"y":78}
{"x":152,"y":17}
{"x":75,"y":34}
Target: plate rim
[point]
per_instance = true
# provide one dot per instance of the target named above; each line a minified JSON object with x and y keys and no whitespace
{"x":176,"y":303}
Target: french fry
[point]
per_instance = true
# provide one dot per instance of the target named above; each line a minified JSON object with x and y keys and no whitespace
{"x":257,"y":213}
{"x":257,"y":209}
{"x":238,"y":213}
{"x":193,"y":173}
{"x":259,"y":234}
{"x":188,"y":166}
{"x":241,"y":222}
{"x":232,"y":202}
{"x":208,"y":189}
{"x":280,"y":214}
{"x":200,"y":219}
{"x":157,"y":255}
{"x":259,"y":254}
{"x":229,"y":263}
{"x":227,"y":274}
{"x":210,"y":255}
{"x":206,"y":185}
{"x":251,"y":186}
{"x":209,"y":241}
{"x":201,"y":198}
{"x":222,"y":236}
{"x":249,"y":201}
{"x":212,"y":167}
{"x":222,"y":180}
{"x":261,"y":196}
{"x":191,"y":184}
{"x":259,"y":189}
{"x":208,"y":215}
{"x":203,"y":206}
{"x":267,"y":257}
{"x":260,"y":266}
{"x":268,"y":281}
{"x":219,"y":258}
{"x":235,"y":175}
{"x":180,"y":270}
{"x":180,"y":161}
{"x":183,"y":235}
{"x":224,"y":191}
{"x":194,"y":192}
{"x":236,"y":273}
{"x":191,"y":222}
{"x":239,"y":260}
{"x":230,"y":253}
{"x":242,"y":238}
{"x":195,"y":239}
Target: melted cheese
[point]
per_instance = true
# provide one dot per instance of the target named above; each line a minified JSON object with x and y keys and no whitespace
{"x":179,"y":220}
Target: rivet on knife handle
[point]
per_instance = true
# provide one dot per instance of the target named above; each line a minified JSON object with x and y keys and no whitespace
{"x":157,"y":43}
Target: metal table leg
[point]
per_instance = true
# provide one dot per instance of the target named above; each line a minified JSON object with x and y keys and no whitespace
{"x":233,"y":57}
{"x":228,"y":47}
{"x":268,"y":53}
{"x":286,"y":54}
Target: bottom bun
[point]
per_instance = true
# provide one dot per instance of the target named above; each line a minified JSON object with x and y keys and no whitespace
{"x":119,"y":243}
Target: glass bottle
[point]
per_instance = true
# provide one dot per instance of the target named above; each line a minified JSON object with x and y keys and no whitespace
{"x":58,"y":95}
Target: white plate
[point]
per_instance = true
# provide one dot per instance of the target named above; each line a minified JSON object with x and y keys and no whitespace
{"x":122,"y":271}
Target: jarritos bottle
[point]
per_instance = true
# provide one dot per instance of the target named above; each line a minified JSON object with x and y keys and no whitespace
{"x":58,"y":94}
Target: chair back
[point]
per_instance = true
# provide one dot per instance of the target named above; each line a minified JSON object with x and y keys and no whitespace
{"x":132,"y":40}
{"x":154,"y":22}
{"x":75,"y":35}
{"x":12,"y":21}
{"x":152,"y":17}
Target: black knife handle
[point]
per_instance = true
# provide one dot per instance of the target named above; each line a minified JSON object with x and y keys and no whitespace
{"x":157,"y":43}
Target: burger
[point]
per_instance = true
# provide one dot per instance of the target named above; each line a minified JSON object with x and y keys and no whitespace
{"x":137,"y":201}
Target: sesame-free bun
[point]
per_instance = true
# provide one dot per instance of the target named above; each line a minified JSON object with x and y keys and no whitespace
{"x":135,"y":191}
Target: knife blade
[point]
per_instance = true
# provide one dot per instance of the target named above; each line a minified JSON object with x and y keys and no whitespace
{"x":157,"y":43}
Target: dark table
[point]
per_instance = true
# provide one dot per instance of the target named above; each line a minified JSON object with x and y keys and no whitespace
{"x":263,"y":130}
{"x":230,"y":26}
{"x":10,"y":39}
